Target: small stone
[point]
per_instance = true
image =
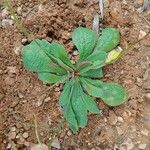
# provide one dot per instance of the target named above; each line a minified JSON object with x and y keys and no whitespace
{"x":47,"y":99}
{"x":145,"y":132}
{"x":20,"y":94}
{"x":142,"y":146}
{"x":119,"y":130}
{"x":9,"y":146}
{"x":69,"y":133}
{"x":19,"y":10}
{"x":21,"y":141}
{"x":56,"y":144}
{"x":4,"y":141}
{"x":12,"y":135}
{"x":25,"y":135}
{"x":39,"y":147}
{"x":13,"y":129}
{"x":126,"y":114}
{"x":23,"y":41}
{"x":75,"y":53}
{"x":57,"y":89}
{"x":40,"y":100}
{"x":142,"y":34}
{"x":12,"y":69}
{"x":7,"y":23}
{"x":120,"y":119}
{"x":18,"y":49}
{"x":18,"y":136}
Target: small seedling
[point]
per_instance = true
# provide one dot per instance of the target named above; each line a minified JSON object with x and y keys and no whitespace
{"x":82,"y":80}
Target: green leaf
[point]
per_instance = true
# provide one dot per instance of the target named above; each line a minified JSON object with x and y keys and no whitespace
{"x":65,"y":103}
{"x":50,"y":78}
{"x":64,"y":97}
{"x":93,"y":73}
{"x":57,"y":53}
{"x":78,"y":106}
{"x":97,"y":59}
{"x":85,"y":40}
{"x":35,"y":59}
{"x":91,"y":88}
{"x":109,"y":39}
{"x":113,"y":94}
{"x":71,"y":118}
{"x":90,"y":104}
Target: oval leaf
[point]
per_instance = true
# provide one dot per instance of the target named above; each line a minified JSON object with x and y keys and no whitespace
{"x":109,"y":39}
{"x":85,"y":40}
{"x":35,"y":59}
{"x":113,"y":94}
{"x":79,"y":107}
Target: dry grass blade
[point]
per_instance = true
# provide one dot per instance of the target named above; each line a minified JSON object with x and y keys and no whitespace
{"x":101,"y":7}
{"x":96,"y":23}
{"x":36,"y":131}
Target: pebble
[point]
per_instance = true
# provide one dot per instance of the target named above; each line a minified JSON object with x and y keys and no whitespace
{"x":145,"y":132}
{"x":13,"y":129}
{"x":18,"y":49}
{"x":12,"y":69}
{"x":21,"y":141}
{"x":20,"y":94}
{"x":12,"y":135}
{"x":57,"y":89}
{"x":39,"y":147}
{"x":19,"y":10}
{"x":23,"y":41}
{"x":119,"y":130}
{"x":9,"y":146}
{"x":40,"y":100}
{"x":69,"y":133}
{"x":25,"y":135}
{"x":120,"y":119}
{"x":142,"y":146}
{"x":142,"y":34}
{"x":47,"y":99}
{"x":7,"y":23}
{"x":56,"y":144}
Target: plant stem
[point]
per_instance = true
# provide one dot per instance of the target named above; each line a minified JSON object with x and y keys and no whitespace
{"x":36,"y":131}
{"x":8,"y":4}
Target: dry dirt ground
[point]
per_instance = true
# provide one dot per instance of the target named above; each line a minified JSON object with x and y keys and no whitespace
{"x":126,"y":127}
